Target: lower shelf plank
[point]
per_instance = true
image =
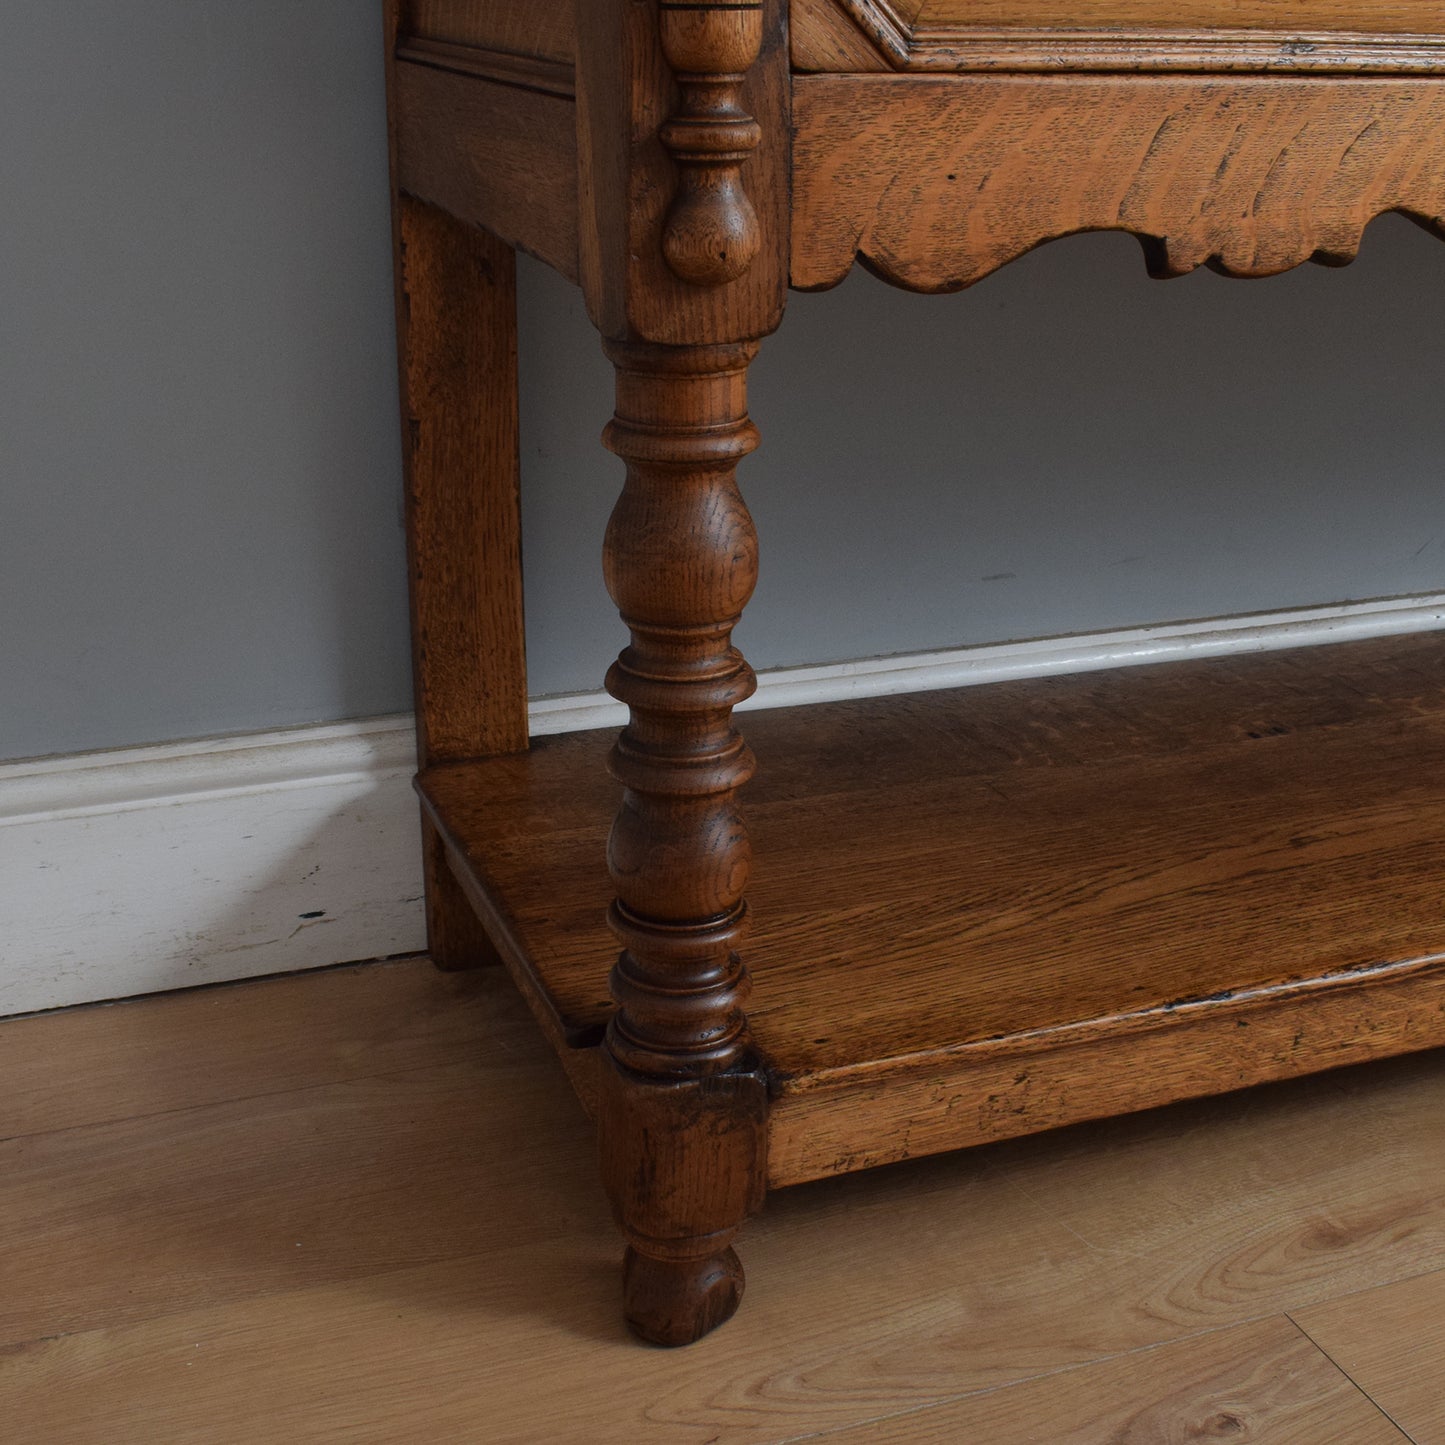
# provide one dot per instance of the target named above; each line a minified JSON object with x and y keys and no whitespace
{"x":985,"y":912}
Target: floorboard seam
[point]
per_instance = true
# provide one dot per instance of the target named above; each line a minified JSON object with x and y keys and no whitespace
{"x":1354,"y":1383}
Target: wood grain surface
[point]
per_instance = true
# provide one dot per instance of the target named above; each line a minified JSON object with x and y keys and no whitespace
{"x":978,"y":915}
{"x":1401,"y":16}
{"x":1391,"y":1340}
{"x":933,"y":182}
{"x":399,"y":1156}
{"x":457,"y":1272}
{"x":549,"y":77}
{"x":824,"y":35}
{"x":1011,"y":880}
{"x":319,"y":1028}
{"x":459,"y":399}
{"x":497,"y":156}
{"x":1263,"y":1383}
{"x":682,"y":1102}
{"x":627,"y":92}
{"x":543,"y":29}
{"x":1117,"y":35}
{"x":956,"y":1099}
{"x":456,"y":311}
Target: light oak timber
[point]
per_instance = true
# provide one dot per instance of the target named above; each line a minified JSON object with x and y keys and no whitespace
{"x":574,"y":1042}
{"x":973,"y":1095}
{"x":681,"y":1101}
{"x":543,"y":29}
{"x":823,"y":36}
{"x":1197,"y":850}
{"x":934,"y":182}
{"x":1391,"y":1341}
{"x":457,"y":303}
{"x":711,"y":235}
{"x":1051,"y":902}
{"x":1126,"y":1197}
{"x":1013,"y":730}
{"x":456,"y":310}
{"x":627,"y":95}
{"x":456,"y":336}
{"x":1260,"y":1382}
{"x":457,"y":341}
{"x":682,"y":143}
{"x":498,"y":156}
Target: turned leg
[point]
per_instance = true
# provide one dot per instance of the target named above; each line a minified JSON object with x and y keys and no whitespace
{"x":457,"y":332}
{"x":682,"y":1110}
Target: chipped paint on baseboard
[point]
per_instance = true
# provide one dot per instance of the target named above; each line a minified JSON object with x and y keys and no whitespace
{"x":145,"y":869}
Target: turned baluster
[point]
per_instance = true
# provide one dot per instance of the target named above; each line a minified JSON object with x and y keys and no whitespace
{"x":682,"y":1108}
{"x":712,"y":234}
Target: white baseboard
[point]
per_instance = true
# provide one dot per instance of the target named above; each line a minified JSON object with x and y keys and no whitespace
{"x":154,"y":868}
{"x":1041,"y":657}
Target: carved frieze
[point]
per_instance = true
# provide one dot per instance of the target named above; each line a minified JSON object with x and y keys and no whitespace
{"x":935,"y":182}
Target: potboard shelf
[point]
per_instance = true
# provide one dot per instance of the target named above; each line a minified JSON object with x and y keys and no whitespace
{"x":963,"y":902}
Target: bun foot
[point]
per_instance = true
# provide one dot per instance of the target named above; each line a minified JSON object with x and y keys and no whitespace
{"x":673,"y":1302}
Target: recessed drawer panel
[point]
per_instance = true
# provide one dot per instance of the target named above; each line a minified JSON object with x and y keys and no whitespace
{"x":538,"y":28}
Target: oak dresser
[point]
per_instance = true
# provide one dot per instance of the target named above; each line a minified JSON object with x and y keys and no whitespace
{"x":973,"y":914}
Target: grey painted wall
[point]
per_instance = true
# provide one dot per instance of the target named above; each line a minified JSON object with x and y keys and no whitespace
{"x":198,"y":440}
{"x":1066,"y":447}
{"x":199,"y":457}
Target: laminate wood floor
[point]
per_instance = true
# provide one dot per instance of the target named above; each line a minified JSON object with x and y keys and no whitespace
{"x":361,"y":1205}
